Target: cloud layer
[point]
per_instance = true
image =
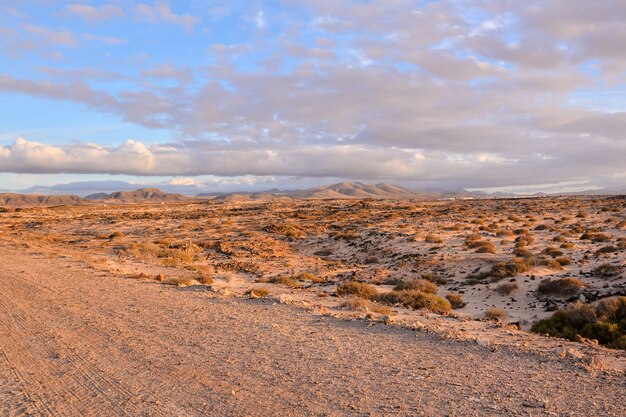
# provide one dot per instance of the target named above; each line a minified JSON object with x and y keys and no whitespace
{"x":484,"y":93}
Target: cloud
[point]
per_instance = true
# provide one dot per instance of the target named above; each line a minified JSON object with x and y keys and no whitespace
{"x":344,"y":161}
{"x":161,"y":12}
{"x":57,"y":37}
{"x":92,"y":13}
{"x":109,"y":40}
{"x":478,"y":91}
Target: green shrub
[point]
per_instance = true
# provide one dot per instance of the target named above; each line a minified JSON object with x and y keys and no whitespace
{"x":606,"y":322}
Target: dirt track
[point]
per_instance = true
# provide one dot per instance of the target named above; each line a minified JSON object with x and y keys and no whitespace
{"x":76,"y":342}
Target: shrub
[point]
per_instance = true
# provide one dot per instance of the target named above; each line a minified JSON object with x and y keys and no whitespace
{"x":204,"y":275}
{"x":562,"y":287}
{"x":595,"y":237}
{"x":416,"y":300}
{"x":417,"y":284}
{"x":507,"y":288}
{"x":455,"y":300}
{"x":607,"y":249}
{"x":563,"y":261}
{"x":606,"y":271}
{"x":552,"y":251}
{"x":358,"y":289}
{"x":257,"y":292}
{"x":181,"y":282}
{"x":606,"y":322}
{"x":550,"y":263}
{"x":510,"y":268}
{"x":284,"y":280}
{"x":307,"y":276}
{"x":433,"y":239}
{"x":494,"y":313}
{"x":435,"y":278}
{"x":486,"y":247}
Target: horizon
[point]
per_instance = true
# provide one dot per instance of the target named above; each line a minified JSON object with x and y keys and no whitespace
{"x":201,"y":96}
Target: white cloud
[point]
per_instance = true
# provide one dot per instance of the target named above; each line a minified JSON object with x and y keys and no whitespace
{"x":92,"y":13}
{"x":161,"y":12}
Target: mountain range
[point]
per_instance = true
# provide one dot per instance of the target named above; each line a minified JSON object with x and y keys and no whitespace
{"x":343,"y":190}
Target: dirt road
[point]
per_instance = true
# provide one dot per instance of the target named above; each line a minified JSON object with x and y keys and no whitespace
{"x":76,"y":342}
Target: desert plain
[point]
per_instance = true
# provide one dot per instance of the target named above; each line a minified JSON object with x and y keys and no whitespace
{"x":332,"y":307}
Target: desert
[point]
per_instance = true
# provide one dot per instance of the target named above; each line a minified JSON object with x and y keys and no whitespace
{"x":299,"y":307}
{"x":346,"y":208}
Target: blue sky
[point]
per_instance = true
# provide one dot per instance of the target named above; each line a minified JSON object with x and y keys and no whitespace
{"x":254,"y":94}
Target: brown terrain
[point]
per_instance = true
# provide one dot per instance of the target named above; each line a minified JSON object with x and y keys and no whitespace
{"x":300,"y":307}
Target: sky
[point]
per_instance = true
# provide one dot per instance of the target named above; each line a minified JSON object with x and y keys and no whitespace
{"x":214,"y":95}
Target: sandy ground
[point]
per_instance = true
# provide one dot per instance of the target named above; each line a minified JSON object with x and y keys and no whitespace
{"x":77,"y":342}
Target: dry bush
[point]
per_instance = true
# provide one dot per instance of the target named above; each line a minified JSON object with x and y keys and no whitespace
{"x":284,"y":280}
{"x":552,"y":251}
{"x":495,"y":313}
{"x":595,"y":237}
{"x":140,"y":276}
{"x":361,"y":304}
{"x":507,"y":269}
{"x":434,"y":278}
{"x":204,"y":273}
{"x":359,"y":289}
{"x":430,"y":238}
{"x":455,"y":300}
{"x":549,"y":263}
{"x":307,"y":276}
{"x":258,"y":292}
{"x":566,"y":245}
{"x":417,"y":284}
{"x":287,"y":230}
{"x":562,"y":287}
{"x":507,"y":288}
{"x":416,"y":300}
{"x":116,"y":235}
{"x":486,"y":247}
{"x":347,"y":235}
{"x":607,"y":271}
{"x":606,"y":249}
{"x":181,"y":282}
{"x":563,"y":261}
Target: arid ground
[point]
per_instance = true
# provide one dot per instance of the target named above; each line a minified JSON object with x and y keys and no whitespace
{"x":298,"y":308}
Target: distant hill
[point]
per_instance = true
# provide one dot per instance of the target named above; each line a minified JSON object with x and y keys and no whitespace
{"x":97,"y":196}
{"x":355,"y":190}
{"x":143,"y":195}
{"x":262,"y":196}
{"x":33,"y":200}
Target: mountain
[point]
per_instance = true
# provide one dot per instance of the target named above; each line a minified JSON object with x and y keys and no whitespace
{"x":81,"y":188}
{"x":33,"y":200}
{"x":143,"y":195}
{"x":96,"y":196}
{"x":355,"y":190}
